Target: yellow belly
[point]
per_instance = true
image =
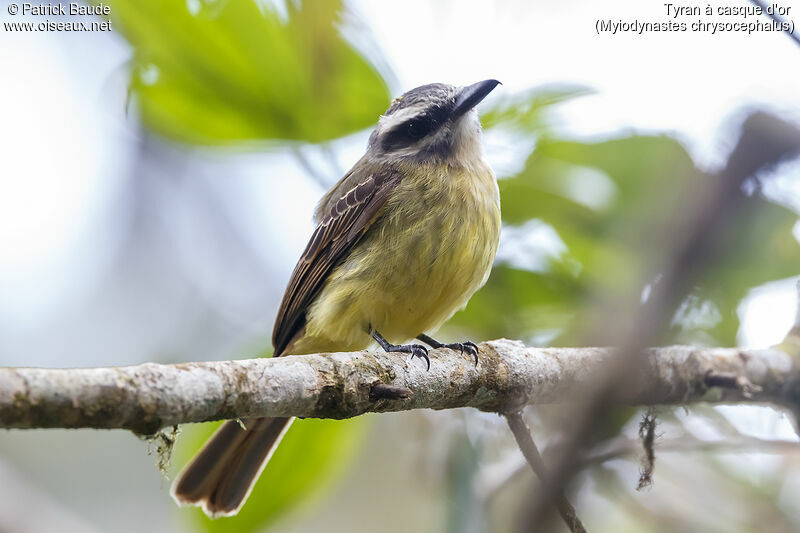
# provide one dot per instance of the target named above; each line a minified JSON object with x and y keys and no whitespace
{"x":430,"y":249}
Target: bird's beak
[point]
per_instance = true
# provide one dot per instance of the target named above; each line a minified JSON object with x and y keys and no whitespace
{"x":471,"y":95}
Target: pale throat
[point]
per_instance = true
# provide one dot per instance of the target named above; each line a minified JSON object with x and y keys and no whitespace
{"x":467,"y":148}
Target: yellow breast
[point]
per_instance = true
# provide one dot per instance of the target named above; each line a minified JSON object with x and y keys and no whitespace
{"x":430,"y":249}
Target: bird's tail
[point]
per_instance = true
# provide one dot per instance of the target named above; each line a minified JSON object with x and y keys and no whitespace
{"x":223,"y":473}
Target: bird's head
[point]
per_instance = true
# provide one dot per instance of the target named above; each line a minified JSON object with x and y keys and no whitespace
{"x":435,"y":123}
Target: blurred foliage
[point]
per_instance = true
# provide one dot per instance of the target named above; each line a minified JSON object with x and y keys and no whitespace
{"x":221,"y":72}
{"x":791,"y":343}
{"x":312,"y":454}
{"x":609,"y":203}
{"x":215,"y":72}
{"x":582,"y":218}
{"x":523,"y":112}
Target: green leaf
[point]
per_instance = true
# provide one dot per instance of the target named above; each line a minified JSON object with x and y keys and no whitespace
{"x":523,"y":111}
{"x":311,"y":456}
{"x":519,"y":304}
{"x":758,"y":247}
{"x":609,"y":203}
{"x":230,"y":71}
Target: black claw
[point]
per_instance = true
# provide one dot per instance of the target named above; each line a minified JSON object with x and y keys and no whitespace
{"x":469,"y":347}
{"x":472,"y":349}
{"x":417,"y":350}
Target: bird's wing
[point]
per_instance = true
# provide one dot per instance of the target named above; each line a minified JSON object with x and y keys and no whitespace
{"x":337,"y":233}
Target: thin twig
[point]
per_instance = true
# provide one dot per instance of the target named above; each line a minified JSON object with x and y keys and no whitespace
{"x":525,"y":442}
{"x":777,"y":19}
{"x":729,"y":380}
{"x":624,"y":447}
{"x":310,"y":170}
{"x":330,"y":155}
{"x":692,"y":243}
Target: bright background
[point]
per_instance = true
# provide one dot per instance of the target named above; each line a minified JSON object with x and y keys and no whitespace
{"x":118,"y":247}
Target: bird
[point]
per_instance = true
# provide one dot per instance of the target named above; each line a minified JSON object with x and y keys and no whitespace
{"x":402,"y":241}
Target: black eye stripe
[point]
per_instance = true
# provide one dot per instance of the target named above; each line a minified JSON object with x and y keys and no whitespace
{"x":415,"y":128}
{"x":418,"y":127}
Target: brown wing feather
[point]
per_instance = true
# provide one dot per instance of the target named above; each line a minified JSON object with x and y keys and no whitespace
{"x":345,"y":224}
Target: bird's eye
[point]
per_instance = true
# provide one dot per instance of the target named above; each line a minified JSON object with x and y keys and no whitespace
{"x":410,"y":132}
{"x":415,"y":130}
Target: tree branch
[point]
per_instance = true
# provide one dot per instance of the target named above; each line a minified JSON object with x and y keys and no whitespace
{"x":150,"y":396}
{"x":690,"y":244}
{"x":525,"y":442}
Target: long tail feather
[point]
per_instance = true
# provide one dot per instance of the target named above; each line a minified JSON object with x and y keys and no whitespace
{"x":223,"y":473}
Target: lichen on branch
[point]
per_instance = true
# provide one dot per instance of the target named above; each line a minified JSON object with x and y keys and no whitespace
{"x":148,"y":397}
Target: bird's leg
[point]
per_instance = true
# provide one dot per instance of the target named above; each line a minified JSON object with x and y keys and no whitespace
{"x":416,"y":350}
{"x":469,"y":346}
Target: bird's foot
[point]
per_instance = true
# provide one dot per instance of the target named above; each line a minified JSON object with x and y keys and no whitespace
{"x":464,"y":347}
{"x":468,"y":347}
{"x":415,"y":350}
